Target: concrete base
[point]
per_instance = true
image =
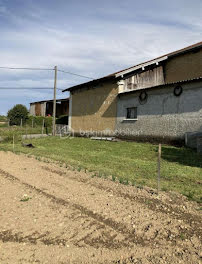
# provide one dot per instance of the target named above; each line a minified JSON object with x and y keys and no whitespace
{"x":199,"y":145}
{"x":104,"y":138}
{"x":191,"y":139}
{"x":62,"y":129}
{"x":34,"y":136}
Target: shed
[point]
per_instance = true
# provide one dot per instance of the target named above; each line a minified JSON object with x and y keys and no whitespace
{"x":45,"y":107}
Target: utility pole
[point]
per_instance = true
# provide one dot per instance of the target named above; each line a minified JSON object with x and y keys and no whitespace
{"x":54,"y":102}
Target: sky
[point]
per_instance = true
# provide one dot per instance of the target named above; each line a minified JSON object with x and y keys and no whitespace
{"x":92,"y":38}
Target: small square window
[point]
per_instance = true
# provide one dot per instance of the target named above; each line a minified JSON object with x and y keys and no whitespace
{"x":131,"y":113}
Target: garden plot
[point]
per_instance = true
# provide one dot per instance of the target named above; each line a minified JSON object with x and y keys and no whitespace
{"x":51,"y":214}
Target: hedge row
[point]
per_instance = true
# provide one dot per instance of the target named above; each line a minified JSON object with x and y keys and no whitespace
{"x":38,"y":121}
{"x":48,"y":121}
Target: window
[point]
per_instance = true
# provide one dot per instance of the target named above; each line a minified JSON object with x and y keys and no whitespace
{"x":131,"y":113}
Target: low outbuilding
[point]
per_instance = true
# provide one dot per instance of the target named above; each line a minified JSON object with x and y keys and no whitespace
{"x":45,"y":108}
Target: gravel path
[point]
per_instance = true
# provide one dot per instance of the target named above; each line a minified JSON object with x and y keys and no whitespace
{"x":50,"y":214}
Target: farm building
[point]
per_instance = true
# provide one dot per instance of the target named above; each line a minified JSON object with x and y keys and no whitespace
{"x":93,"y":105}
{"x":158,"y":99}
{"x":45,"y":108}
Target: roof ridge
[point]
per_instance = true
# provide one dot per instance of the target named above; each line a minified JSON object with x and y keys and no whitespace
{"x":187,"y":48}
{"x":176,"y":52}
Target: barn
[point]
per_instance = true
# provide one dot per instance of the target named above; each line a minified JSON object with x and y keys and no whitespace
{"x":156,"y":100}
{"x":45,"y":108}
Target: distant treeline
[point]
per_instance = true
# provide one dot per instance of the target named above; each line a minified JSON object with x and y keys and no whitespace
{"x":3,"y":118}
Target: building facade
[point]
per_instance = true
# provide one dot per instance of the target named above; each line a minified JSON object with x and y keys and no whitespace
{"x":156,"y":100}
{"x":93,"y":107}
{"x":163,"y":115}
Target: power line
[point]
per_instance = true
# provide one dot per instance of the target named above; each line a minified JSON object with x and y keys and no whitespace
{"x":44,"y":69}
{"x":32,"y":69}
{"x":76,"y":74}
{"x":21,"y":88}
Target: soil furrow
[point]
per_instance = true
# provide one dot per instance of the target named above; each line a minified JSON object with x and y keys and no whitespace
{"x":154,"y":204}
{"x":118,"y":227}
{"x":50,"y":214}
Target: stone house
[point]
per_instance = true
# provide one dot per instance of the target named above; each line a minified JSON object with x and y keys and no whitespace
{"x":160,"y":99}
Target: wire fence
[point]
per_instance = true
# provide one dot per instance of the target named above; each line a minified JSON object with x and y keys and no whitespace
{"x":33,"y":127}
{"x":23,"y":128}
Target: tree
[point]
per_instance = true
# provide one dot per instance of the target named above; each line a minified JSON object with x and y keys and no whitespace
{"x":17,"y":113}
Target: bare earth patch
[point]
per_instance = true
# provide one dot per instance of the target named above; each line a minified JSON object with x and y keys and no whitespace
{"x":50,"y":214}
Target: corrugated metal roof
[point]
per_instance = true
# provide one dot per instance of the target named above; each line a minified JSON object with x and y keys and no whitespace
{"x":119,"y":73}
{"x":171,"y":54}
{"x":93,"y":82}
{"x":58,"y":100}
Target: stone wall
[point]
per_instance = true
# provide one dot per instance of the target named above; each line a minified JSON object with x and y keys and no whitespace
{"x":163,"y":115}
{"x":199,"y":145}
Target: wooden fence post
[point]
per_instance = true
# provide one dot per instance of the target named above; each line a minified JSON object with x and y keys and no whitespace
{"x":13,"y":142}
{"x":42,"y":129}
{"x":26,"y":130}
{"x":159,"y":169}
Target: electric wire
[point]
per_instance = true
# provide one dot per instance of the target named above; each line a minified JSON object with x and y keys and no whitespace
{"x":79,"y":75}
{"x":25,"y":68}
{"x":44,"y":69}
{"x":30,"y":88}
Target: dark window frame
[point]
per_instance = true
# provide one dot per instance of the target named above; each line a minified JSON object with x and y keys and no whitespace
{"x":131,"y":113}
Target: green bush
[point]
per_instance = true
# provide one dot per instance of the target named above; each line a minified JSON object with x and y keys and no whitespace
{"x":17,"y":113}
{"x":63,"y":120}
{"x":37,"y":121}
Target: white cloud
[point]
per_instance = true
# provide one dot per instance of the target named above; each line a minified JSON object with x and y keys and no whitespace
{"x":3,"y":10}
{"x":99,"y":47}
{"x":86,"y":53}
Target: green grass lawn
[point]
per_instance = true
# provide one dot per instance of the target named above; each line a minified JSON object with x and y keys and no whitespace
{"x":181,"y":168}
{"x":3,"y":124}
{"x":7,"y":132}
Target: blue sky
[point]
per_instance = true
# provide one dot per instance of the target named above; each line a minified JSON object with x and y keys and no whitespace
{"x":88,"y":37}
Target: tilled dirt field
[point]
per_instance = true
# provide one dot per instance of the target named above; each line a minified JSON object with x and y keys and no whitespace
{"x":74,"y":218}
